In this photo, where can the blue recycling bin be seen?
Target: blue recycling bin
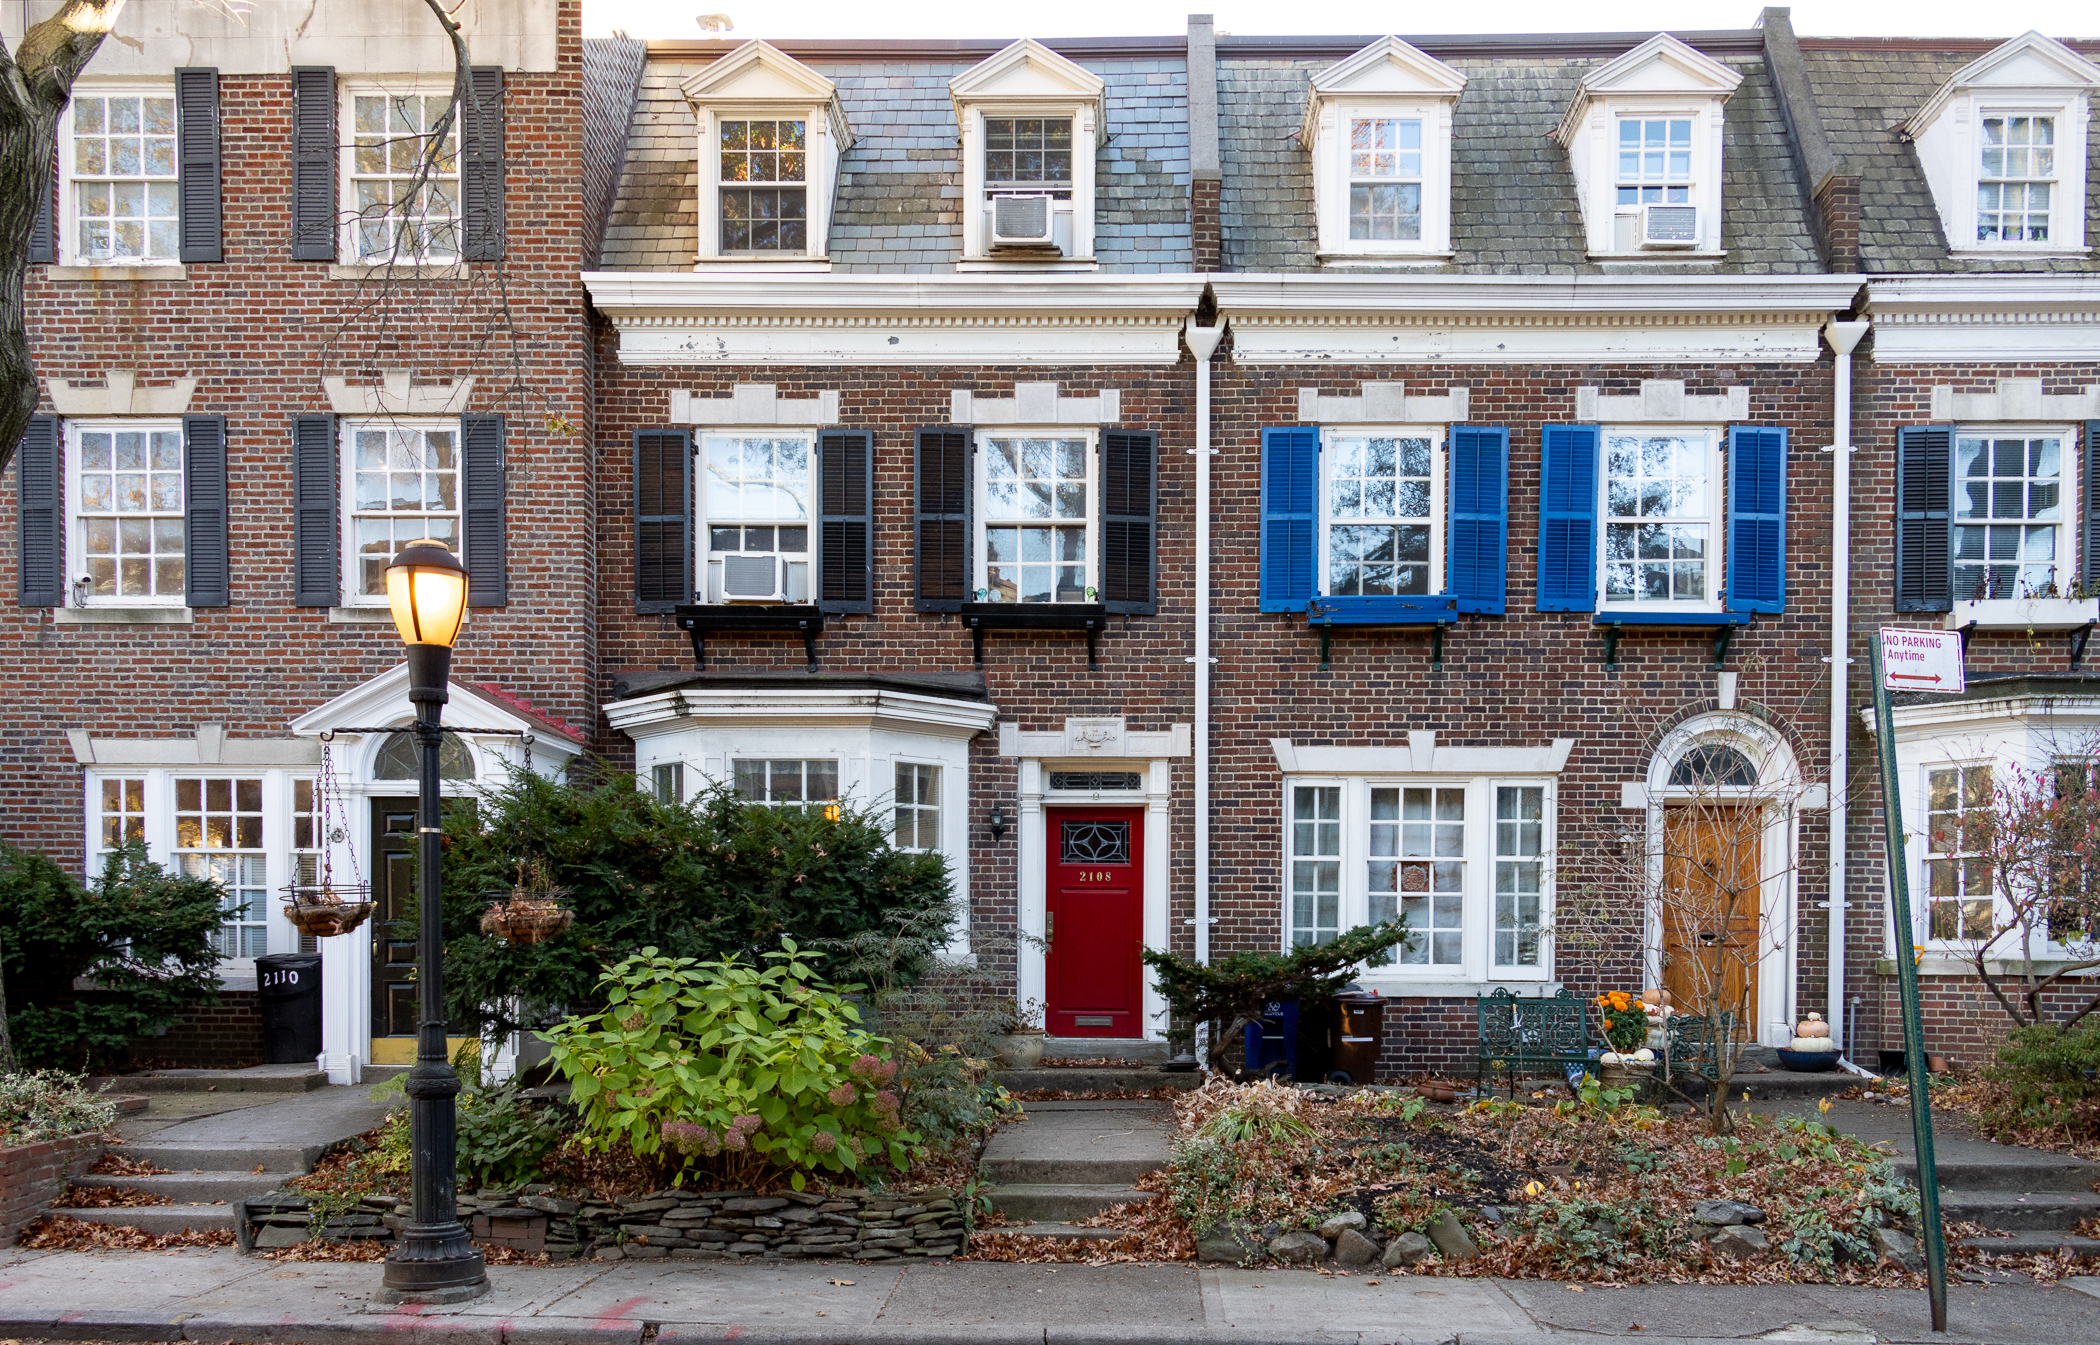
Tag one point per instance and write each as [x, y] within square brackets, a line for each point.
[1273, 1041]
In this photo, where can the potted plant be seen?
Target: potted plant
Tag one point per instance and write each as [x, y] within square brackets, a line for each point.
[533, 911]
[1021, 1045]
[1622, 1019]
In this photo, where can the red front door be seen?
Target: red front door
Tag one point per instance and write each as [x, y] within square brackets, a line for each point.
[1096, 925]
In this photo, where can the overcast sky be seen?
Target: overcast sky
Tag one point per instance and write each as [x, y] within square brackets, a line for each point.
[1111, 18]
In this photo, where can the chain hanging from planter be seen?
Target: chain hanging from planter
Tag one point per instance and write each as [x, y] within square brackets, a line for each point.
[533, 911]
[324, 907]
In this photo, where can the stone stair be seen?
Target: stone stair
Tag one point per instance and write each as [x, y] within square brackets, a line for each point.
[1069, 1160]
[255, 1079]
[2030, 1201]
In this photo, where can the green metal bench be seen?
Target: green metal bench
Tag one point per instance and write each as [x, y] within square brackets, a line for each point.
[1691, 1044]
[1518, 1032]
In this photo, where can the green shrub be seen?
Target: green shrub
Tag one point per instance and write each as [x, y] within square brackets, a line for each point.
[732, 1068]
[49, 1105]
[141, 935]
[503, 1138]
[2047, 1077]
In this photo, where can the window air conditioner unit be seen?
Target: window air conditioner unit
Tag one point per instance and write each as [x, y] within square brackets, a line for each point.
[752, 577]
[1021, 221]
[1669, 226]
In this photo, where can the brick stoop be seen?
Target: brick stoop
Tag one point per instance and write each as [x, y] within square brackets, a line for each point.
[33, 1175]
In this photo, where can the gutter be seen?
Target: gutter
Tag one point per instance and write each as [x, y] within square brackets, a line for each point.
[1203, 343]
[1843, 337]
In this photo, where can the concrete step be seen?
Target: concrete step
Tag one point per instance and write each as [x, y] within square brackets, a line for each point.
[2036, 1240]
[2020, 1170]
[1100, 1048]
[2043, 1210]
[1061, 1232]
[1052, 1202]
[186, 1188]
[159, 1218]
[255, 1079]
[197, 1156]
[1097, 1080]
[1106, 1170]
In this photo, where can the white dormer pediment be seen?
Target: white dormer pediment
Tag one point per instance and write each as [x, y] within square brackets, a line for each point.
[2028, 62]
[1661, 65]
[1026, 71]
[759, 74]
[1388, 68]
[760, 82]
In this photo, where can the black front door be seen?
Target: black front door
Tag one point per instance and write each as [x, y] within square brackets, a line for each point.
[394, 918]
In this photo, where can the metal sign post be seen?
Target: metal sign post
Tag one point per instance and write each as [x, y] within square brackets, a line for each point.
[1924, 668]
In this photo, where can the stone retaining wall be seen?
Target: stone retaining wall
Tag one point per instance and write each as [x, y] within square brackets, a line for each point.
[33, 1175]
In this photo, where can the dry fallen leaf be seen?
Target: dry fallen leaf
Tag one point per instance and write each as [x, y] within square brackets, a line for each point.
[842, 1281]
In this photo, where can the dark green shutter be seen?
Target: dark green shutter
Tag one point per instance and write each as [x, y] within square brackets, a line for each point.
[481, 177]
[1924, 508]
[317, 547]
[43, 237]
[663, 519]
[1756, 519]
[198, 202]
[1290, 517]
[206, 567]
[1129, 521]
[40, 579]
[313, 163]
[481, 441]
[1478, 547]
[941, 519]
[1568, 518]
[845, 521]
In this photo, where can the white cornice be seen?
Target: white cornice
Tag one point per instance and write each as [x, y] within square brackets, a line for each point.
[1633, 297]
[2035, 316]
[697, 707]
[618, 292]
[1420, 755]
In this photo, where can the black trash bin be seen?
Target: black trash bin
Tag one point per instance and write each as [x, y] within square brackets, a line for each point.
[288, 988]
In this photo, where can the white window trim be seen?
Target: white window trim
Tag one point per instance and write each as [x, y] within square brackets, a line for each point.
[2020, 613]
[1717, 518]
[702, 550]
[76, 523]
[943, 842]
[346, 469]
[1477, 969]
[1081, 208]
[1952, 151]
[1331, 179]
[820, 160]
[980, 520]
[346, 182]
[1594, 155]
[1439, 486]
[65, 210]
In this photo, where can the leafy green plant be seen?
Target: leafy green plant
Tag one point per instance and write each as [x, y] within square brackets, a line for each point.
[734, 1067]
[1206, 1182]
[503, 1138]
[2046, 1078]
[49, 1104]
[1254, 1120]
[140, 935]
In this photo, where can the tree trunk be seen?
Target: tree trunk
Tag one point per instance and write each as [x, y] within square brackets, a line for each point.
[7, 1045]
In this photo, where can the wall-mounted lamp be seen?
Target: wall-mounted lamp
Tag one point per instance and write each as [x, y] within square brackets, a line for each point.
[998, 821]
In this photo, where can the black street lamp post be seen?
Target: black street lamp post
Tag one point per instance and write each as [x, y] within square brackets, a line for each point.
[433, 1261]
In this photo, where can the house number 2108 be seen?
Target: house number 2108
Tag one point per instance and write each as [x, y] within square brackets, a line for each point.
[1095, 876]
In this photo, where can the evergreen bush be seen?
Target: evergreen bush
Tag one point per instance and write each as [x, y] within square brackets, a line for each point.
[2047, 1075]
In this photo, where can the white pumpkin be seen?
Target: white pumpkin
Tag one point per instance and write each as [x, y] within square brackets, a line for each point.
[1644, 1056]
[1610, 1058]
[1812, 1044]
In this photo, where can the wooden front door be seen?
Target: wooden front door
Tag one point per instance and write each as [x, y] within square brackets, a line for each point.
[394, 919]
[1095, 922]
[1712, 910]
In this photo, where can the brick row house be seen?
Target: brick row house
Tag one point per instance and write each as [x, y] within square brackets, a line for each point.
[1217, 491]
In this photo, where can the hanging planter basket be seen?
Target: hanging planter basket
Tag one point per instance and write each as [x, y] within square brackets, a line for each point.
[326, 911]
[524, 916]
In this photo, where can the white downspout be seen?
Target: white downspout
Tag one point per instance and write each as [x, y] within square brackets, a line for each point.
[1843, 336]
[1203, 343]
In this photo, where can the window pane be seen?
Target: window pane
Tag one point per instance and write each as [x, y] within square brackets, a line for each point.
[1653, 478]
[2004, 487]
[2016, 170]
[1959, 901]
[390, 143]
[404, 488]
[1035, 478]
[218, 837]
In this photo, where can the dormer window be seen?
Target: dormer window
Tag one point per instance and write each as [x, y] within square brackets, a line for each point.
[1030, 122]
[771, 134]
[1378, 127]
[1645, 139]
[1988, 140]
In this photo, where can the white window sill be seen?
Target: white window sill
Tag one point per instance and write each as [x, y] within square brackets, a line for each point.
[2025, 614]
[1396, 987]
[1948, 962]
[2041, 253]
[125, 616]
[398, 271]
[1657, 255]
[1016, 264]
[111, 272]
[1353, 259]
[762, 265]
[361, 616]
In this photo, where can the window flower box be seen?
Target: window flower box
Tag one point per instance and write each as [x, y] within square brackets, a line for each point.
[2030, 614]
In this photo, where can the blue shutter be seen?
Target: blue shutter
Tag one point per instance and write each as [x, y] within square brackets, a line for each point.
[1568, 519]
[1290, 517]
[1478, 546]
[1756, 519]
[2089, 541]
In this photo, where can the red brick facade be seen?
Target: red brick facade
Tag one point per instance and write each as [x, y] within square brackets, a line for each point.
[33, 1175]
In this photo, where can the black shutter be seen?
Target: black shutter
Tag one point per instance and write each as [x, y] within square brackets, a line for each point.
[846, 521]
[1129, 531]
[2089, 544]
[313, 163]
[1924, 498]
[663, 519]
[43, 238]
[206, 568]
[40, 569]
[316, 575]
[197, 166]
[481, 437]
[941, 519]
[481, 166]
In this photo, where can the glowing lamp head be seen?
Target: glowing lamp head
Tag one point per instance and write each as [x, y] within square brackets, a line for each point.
[426, 587]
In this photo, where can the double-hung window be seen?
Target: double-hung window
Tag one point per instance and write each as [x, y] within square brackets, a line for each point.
[1655, 161]
[219, 836]
[755, 496]
[404, 487]
[1036, 518]
[123, 819]
[127, 510]
[765, 205]
[120, 155]
[2016, 178]
[1383, 532]
[1464, 861]
[1385, 179]
[1661, 533]
[1960, 904]
[401, 178]
[917, 804]
[2008, 515]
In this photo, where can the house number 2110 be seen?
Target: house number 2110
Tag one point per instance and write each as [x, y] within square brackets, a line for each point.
[1096, 876]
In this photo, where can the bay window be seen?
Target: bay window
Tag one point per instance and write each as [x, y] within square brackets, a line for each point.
[787, 783]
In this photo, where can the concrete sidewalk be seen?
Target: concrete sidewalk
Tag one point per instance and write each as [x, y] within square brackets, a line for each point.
[216, 1295]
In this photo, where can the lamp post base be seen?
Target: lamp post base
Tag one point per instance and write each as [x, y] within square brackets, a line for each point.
[434, 1264]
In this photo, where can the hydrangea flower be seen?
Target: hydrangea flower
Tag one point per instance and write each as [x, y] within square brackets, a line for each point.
[842, 1096]
[823, 1141]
